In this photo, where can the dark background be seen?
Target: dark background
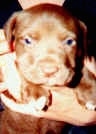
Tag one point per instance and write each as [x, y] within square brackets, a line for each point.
[85, 10]
[7, 7]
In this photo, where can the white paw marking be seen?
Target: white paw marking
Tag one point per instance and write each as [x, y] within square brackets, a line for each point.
[90, 106]
[40, 103]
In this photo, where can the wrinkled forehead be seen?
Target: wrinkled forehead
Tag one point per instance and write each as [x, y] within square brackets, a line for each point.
[46, 21]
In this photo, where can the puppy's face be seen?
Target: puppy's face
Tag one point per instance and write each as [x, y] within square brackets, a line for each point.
[49, 44]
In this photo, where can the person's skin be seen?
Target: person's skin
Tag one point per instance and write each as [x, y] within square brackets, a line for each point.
[65, 107]
[27, 4]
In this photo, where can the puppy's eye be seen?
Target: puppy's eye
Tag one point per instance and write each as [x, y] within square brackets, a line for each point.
[69, 41]
[28, 41]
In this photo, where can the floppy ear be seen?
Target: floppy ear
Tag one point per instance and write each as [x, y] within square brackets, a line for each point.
[81, 54]
[9, 29]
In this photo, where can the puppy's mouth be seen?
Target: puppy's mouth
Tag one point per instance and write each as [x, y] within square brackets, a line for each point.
[51, 71]
[50, 75]
[48, 69]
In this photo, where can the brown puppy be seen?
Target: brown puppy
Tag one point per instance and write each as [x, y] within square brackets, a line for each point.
[50, 50]
[49, 46]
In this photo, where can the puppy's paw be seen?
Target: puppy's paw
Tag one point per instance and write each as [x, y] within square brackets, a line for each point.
[41, 103]
[44, 101]
[90, 105]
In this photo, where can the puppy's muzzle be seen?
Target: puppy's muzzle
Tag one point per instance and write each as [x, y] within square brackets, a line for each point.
[48, 67]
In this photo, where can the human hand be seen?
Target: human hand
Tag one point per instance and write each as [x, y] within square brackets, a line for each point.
[65, 107]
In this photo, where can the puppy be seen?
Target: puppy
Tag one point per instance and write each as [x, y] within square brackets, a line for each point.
[50, 47]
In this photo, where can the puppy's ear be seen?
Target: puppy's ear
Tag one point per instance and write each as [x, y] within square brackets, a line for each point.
[9, 29]
[81, 54]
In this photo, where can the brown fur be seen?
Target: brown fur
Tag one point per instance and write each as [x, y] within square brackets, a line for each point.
[50, 46]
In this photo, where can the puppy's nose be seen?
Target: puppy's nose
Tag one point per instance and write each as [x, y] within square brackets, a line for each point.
[48, 67]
